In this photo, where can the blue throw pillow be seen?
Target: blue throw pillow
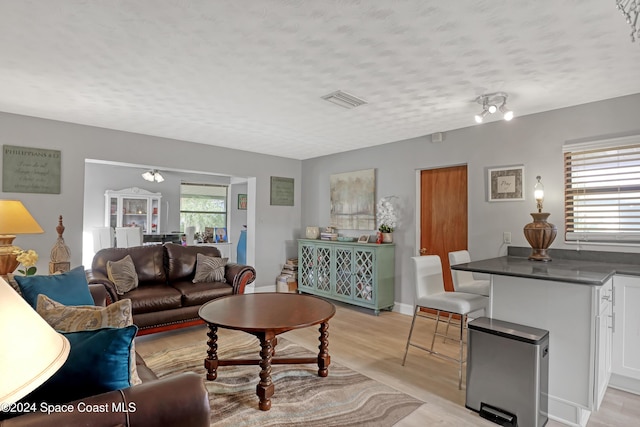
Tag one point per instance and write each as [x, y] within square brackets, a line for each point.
[98, 362]
[70, 288]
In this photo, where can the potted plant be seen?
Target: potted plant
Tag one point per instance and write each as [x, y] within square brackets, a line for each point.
[387, 218]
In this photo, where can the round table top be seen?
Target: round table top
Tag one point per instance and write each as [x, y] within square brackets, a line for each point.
[260, 312]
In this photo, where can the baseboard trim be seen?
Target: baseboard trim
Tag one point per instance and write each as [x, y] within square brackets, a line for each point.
[630, 385]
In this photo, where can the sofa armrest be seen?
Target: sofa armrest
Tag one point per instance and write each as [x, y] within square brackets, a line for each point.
[100, 295]
[239, 276]
[97, 278]
[176, 401]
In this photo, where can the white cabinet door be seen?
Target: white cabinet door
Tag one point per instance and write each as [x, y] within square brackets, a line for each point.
[626, 323]
[603, 350]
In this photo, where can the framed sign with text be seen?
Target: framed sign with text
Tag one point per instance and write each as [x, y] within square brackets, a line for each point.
[281, 191]
[505, 184]
[30, 170]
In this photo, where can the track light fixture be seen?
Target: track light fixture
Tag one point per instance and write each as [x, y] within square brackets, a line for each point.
[491, 103]
[153, 175]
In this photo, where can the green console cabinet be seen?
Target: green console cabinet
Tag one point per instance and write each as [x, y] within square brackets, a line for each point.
[355, 273]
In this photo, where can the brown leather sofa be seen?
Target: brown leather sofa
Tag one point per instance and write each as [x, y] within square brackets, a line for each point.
[166, 298]
[176, 401]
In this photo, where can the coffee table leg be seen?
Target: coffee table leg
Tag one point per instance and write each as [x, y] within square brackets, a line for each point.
[265, 387]
[324, 360]
[211, 362]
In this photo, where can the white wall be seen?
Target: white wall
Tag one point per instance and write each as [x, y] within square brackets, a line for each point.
[534, 141]
[273, 226]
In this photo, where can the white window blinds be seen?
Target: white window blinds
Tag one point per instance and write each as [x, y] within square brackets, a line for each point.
[602, 190]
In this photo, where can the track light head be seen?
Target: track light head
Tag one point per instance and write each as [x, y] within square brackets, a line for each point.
[507, 113]
[480, 117]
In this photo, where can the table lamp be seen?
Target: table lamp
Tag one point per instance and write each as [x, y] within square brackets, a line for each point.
[14, 219]
[31, 351]
[540, 233]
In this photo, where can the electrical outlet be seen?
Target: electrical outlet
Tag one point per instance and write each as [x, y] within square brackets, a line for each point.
[506, 237]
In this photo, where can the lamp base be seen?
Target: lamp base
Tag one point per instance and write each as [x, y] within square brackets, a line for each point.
[8, 261]
[540, 234]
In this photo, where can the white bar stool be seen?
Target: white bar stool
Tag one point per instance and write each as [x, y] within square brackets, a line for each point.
[430, 294]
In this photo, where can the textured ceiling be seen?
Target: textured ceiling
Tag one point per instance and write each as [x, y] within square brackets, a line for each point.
[249, 74]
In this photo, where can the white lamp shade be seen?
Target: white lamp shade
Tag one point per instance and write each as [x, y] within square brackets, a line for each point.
[31, 350]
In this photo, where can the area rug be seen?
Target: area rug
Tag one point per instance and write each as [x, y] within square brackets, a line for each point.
[301, 398]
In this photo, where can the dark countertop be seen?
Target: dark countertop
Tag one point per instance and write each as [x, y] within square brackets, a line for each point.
[561, 270]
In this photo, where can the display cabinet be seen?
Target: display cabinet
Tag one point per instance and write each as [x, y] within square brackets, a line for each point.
[356, 273]
[133, 207]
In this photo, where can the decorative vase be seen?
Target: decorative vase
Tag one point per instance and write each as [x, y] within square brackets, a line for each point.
[387, 237]
[540, 234]
[313, 232]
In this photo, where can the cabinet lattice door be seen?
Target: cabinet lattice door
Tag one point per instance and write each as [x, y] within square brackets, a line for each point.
[356, 273]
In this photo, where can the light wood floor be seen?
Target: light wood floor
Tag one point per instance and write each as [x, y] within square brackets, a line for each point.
[374, 346]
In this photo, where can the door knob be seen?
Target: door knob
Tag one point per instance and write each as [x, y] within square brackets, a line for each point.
[423, 251]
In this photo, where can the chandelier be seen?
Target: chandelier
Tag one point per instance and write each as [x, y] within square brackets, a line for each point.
[630, 10]
[153, 175]
[493, 102]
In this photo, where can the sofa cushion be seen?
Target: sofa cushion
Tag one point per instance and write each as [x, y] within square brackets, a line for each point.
[145, 299]
[123, 274]
[209, 269]
[88, 318]
[69, 288]
[98, 362]
[201, 292]
[181, 260]
[149, 262]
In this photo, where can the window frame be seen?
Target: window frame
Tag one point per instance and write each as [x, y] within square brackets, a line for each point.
[224, 212]
[604, 197]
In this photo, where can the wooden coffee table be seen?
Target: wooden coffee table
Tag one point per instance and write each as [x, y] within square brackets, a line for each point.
[266, 315]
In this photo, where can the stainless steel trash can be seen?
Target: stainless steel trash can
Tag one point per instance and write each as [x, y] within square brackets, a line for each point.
[508, 372]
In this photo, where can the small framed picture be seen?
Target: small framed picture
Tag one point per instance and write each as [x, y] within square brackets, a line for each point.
[242, 202]
[363, 239]
[505, 184]
[220, 235]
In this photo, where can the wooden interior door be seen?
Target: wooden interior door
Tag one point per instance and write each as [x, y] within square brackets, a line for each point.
[443, 214]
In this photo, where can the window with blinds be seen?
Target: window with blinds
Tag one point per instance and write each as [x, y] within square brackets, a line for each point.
[602, 190]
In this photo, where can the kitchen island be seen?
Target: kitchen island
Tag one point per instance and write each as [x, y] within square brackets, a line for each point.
[572, 299]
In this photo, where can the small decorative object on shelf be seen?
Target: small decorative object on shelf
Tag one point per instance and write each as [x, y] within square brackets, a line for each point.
[387, 218]
[540, 233]
[329, 234]
[60, 253]
[313, 232]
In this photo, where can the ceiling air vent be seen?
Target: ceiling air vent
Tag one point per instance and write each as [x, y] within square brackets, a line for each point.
[343, 99]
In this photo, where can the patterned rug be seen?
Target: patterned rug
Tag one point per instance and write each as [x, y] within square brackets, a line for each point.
[301, 398]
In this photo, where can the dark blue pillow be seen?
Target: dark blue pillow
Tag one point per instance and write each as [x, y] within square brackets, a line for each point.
[98, 362]
[70, 288]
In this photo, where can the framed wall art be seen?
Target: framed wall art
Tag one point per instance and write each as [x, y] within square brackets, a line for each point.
[242, 202]
[353, 200]
[505, 184]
